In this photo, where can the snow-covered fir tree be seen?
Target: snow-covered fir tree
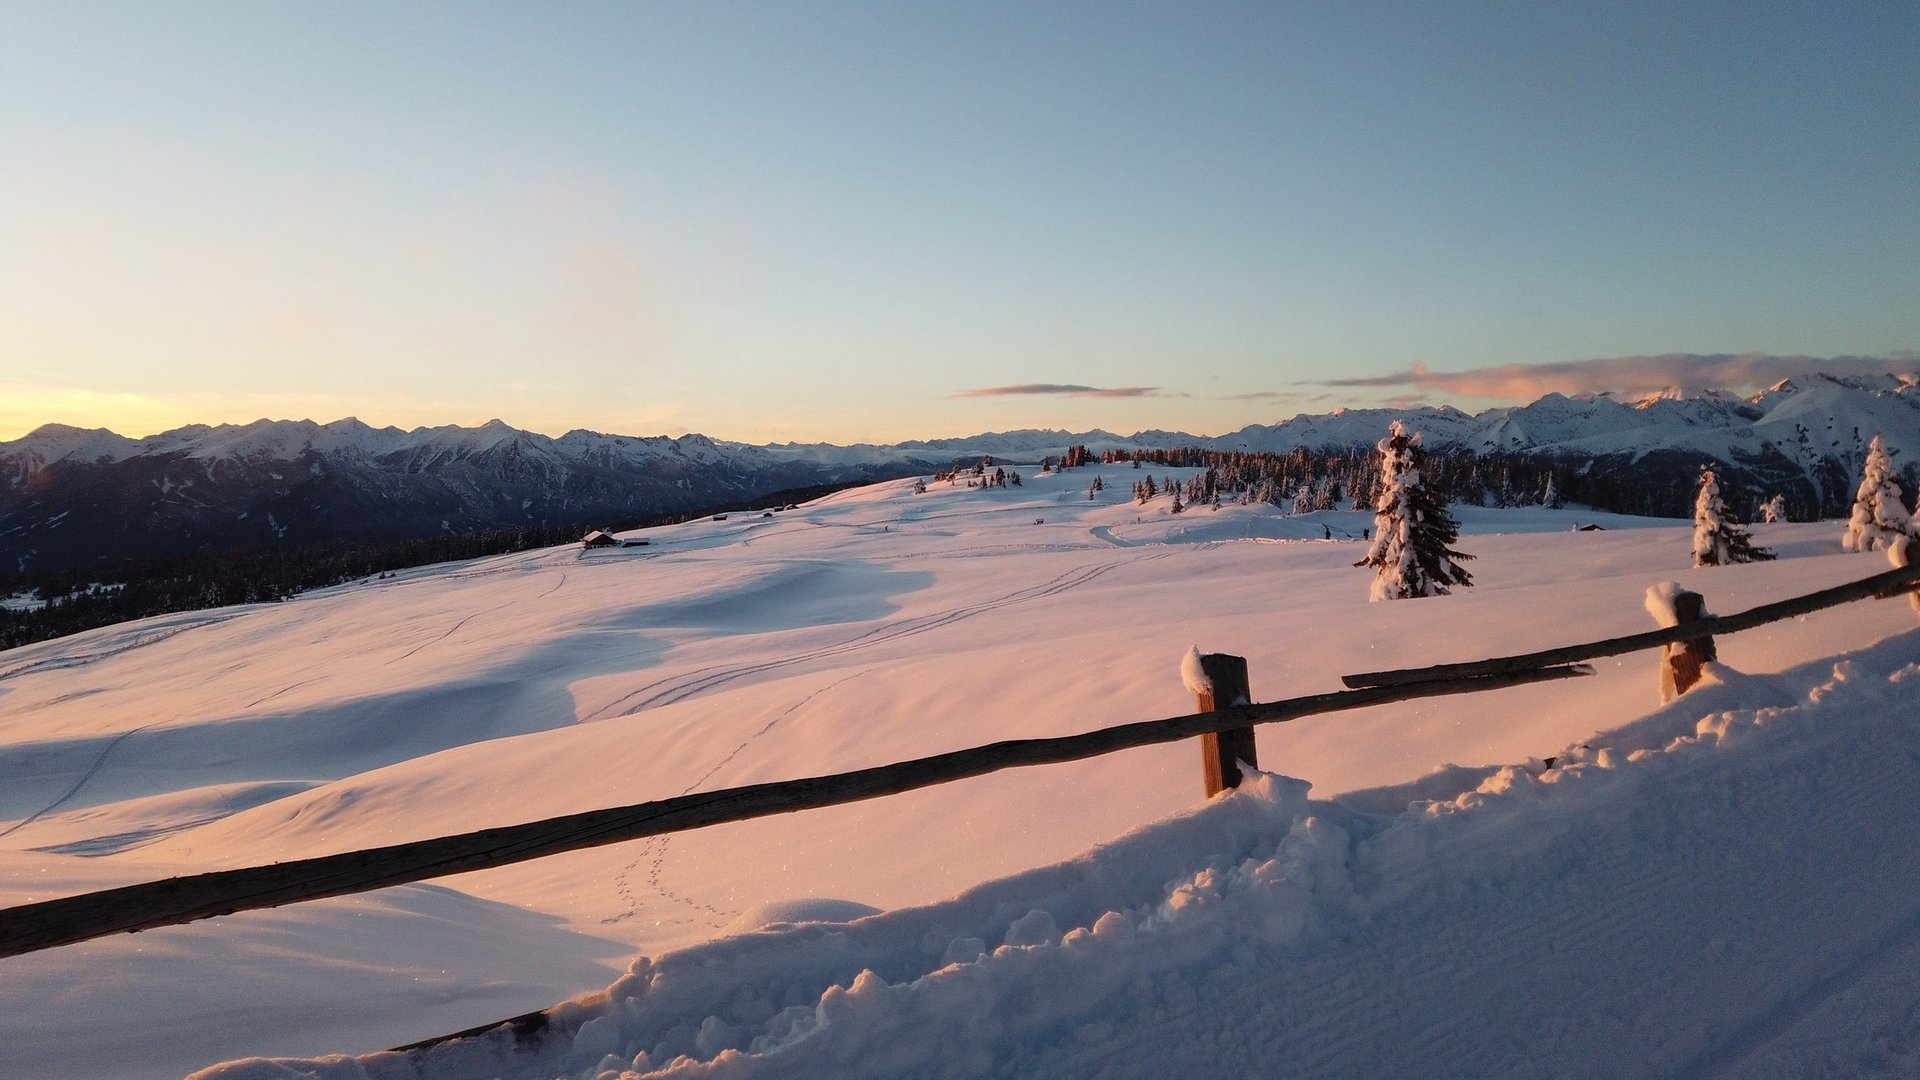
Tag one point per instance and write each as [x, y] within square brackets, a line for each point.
[1878, 514]
[1412, 531]
[1774, 510]
[1717, 538]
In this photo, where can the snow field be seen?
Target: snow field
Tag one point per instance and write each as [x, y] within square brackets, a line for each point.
[869, 627]
[1635, 911]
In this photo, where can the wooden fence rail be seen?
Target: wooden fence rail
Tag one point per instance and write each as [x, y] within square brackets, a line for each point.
[1891, 583]
[131, 908]
[67, 920]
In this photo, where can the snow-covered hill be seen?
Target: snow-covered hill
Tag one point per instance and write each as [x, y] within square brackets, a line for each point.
[1719, 886]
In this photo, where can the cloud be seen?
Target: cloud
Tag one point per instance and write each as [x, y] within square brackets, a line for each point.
[1066, 390]
[1406, 401]
[1631, 374]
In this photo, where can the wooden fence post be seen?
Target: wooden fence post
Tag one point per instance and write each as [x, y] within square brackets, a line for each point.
[1221, 753]
[1684, 660]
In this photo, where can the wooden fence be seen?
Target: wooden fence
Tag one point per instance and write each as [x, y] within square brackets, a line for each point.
[1226, 731]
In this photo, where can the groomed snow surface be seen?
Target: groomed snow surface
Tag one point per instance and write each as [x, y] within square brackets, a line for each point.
[1720, 886]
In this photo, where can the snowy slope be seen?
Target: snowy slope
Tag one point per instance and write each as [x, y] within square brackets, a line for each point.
[873, 626]
[1727, 895]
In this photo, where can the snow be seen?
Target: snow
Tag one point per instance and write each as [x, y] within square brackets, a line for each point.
[22, 601]
[1720, 885]
[1879, 514]
[1192, 675]
[1662, 598]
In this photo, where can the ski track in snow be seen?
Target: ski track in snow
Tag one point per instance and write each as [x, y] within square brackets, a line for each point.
[83, 659]
[284, 689]
[690, 684]
[450, 631]
[86, 778]
[160, 637]
[653, 850]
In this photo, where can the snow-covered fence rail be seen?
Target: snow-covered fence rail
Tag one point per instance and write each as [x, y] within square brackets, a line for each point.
[64, 921]
[1890, 583]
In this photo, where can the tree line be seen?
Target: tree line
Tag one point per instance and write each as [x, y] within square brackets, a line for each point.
[82, 599]
[1303, 480]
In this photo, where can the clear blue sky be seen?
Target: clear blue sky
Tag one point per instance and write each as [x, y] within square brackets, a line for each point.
[878, 221]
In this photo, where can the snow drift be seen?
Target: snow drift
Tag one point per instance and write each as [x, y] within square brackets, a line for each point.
[1707, 890]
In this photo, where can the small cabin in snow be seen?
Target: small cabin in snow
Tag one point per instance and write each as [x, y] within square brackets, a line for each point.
[598, 538]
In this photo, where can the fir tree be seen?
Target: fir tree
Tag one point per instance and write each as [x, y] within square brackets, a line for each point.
[1878, 514]
[1774, 510]
[1717, 538]
[1411, 550]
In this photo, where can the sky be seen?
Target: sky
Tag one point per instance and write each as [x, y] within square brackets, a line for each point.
[849, 222]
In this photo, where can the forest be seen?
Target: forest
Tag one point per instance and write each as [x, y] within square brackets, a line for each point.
[76, 600]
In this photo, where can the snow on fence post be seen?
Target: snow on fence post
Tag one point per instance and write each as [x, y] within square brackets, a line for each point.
[1682, 662]
[1222, 684]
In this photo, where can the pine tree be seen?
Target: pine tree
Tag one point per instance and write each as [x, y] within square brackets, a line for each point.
[1774, 510]
[1717, 539]
[1411, 550]
[1878, 514]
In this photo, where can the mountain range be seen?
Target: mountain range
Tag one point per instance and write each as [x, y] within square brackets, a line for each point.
[73, 497]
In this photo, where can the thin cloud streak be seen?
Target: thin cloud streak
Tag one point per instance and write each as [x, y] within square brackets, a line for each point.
[1065, 390]
[1632, 374]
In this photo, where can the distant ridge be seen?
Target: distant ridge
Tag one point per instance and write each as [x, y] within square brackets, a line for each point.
[72, 497]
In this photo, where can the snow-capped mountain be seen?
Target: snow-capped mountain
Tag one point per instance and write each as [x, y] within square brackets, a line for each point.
[71, 497]
[74, 497]
[1803, 438]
